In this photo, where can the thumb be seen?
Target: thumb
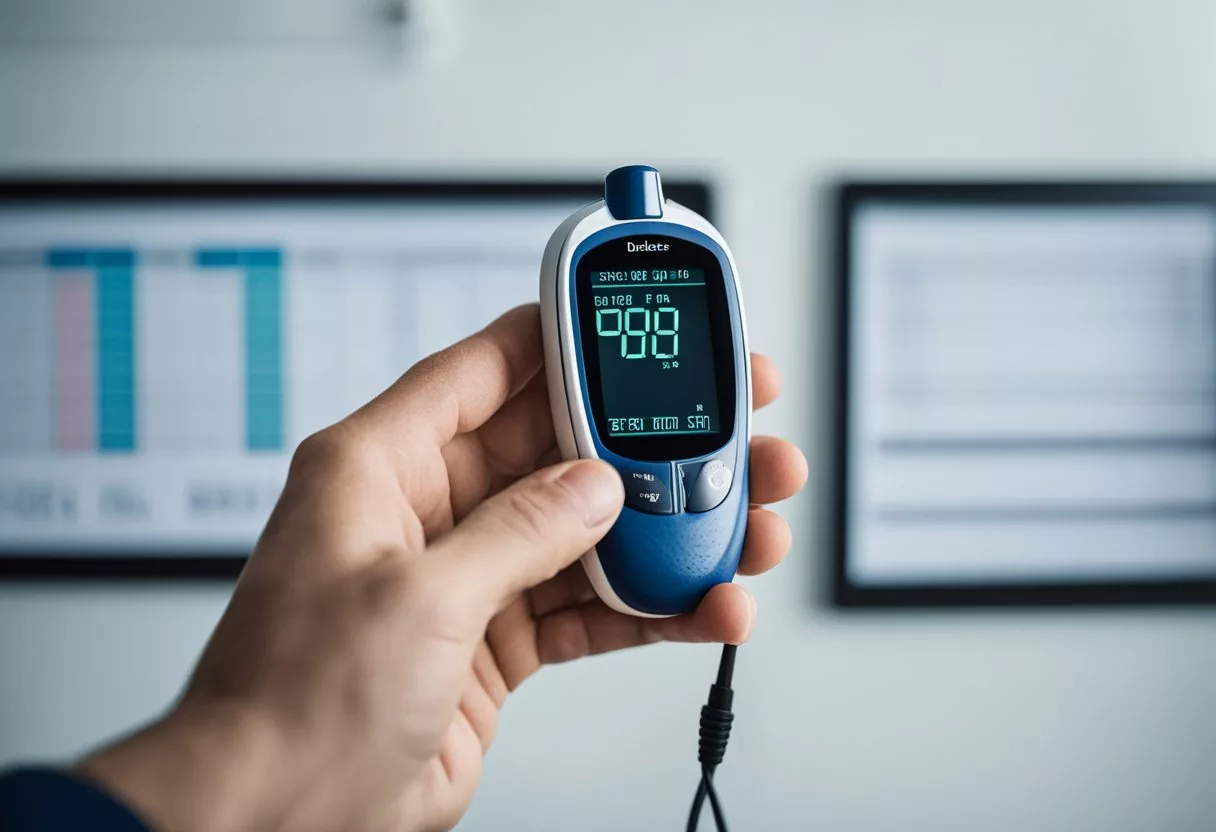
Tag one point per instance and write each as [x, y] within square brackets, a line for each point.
[528, 532]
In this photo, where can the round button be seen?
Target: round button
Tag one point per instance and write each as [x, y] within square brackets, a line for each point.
[707, 488]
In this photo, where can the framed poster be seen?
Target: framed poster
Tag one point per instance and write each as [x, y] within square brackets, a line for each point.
[1027, 406]
[164, 346]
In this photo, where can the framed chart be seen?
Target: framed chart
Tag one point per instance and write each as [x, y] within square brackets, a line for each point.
[1027, 406]
[164, 346]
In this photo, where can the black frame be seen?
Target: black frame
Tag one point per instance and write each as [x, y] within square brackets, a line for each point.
[846, 594]
[17, 565]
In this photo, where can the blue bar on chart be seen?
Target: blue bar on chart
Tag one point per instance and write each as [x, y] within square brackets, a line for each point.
[113, 323]
[263, 302]
[263, 351]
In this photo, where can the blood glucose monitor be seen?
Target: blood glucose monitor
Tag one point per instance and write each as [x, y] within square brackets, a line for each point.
[648, 369]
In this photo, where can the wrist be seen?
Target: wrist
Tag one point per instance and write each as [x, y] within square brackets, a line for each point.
[199, 768]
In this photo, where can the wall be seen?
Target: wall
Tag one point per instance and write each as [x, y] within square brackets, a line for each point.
[1057, 720]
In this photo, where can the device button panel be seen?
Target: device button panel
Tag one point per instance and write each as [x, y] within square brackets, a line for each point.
[706, 484]
[648, 488]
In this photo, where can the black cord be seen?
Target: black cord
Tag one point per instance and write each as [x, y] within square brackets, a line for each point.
[707, 777]
[716, 718]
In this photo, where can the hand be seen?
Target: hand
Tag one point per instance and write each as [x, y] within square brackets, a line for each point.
[418, 567]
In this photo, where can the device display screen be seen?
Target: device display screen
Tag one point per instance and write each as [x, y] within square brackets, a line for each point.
[651, 312]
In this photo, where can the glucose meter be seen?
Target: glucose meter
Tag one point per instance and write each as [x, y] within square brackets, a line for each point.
[648, 369]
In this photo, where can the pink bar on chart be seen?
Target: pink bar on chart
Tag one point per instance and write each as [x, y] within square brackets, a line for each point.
[74, 312]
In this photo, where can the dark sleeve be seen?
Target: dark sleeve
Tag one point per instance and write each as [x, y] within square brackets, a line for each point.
[45, 800]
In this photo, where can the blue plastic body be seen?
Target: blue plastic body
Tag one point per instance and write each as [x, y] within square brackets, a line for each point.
[664, 564]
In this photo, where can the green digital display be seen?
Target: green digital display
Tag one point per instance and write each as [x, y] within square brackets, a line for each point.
[656, 358]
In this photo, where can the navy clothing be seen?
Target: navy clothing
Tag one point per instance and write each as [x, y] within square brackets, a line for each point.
[45, 800]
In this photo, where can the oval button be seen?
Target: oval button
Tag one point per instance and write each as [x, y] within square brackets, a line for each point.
[708, 487]
[648, 489]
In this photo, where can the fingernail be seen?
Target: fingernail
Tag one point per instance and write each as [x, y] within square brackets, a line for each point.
[598, 488]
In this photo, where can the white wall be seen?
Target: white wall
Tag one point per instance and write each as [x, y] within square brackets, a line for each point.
[1053, 720]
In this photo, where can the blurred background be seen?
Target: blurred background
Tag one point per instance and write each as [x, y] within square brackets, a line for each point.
[1093, 718]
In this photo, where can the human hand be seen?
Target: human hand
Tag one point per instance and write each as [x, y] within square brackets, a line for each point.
[419, 566]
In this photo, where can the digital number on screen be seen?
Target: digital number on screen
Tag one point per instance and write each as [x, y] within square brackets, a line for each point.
[656, 359]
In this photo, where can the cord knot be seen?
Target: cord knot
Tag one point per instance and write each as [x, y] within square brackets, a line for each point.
[715, 733]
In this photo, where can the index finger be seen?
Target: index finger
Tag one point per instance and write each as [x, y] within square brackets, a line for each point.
[458, 389]
[766, 381]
